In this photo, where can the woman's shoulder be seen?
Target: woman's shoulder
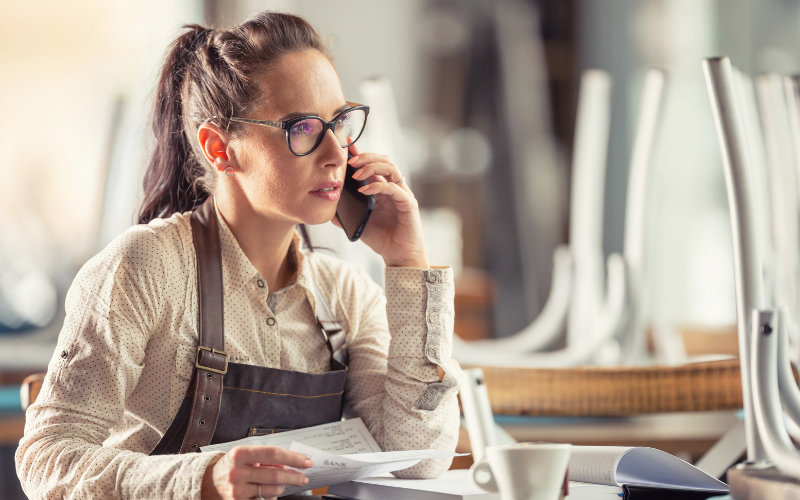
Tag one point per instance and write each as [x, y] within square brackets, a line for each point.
[158, 247]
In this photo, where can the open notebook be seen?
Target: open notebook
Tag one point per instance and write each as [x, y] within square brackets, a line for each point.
[639, 467]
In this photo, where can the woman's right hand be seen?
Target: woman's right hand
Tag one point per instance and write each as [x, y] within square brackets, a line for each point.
[240, 472]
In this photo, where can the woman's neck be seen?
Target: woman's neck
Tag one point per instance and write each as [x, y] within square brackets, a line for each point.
[263, 240]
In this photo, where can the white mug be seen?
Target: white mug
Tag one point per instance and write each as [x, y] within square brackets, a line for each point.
[525, 471]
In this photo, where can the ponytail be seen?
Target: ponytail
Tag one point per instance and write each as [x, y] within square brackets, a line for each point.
[170, 184]
[207, 73]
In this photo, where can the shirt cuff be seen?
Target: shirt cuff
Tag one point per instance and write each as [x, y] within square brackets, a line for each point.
[201, 463]
[420, 309]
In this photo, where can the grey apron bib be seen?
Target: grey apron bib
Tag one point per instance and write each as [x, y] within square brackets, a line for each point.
[229, 401]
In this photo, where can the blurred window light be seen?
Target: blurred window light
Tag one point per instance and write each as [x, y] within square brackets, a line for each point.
[417, 150]
[777, 59]
[28, 297]
[708, 273]
[444, 31]
[466, 151]
[443, 240]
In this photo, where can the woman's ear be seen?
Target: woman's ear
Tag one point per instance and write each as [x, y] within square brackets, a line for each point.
[214, 144]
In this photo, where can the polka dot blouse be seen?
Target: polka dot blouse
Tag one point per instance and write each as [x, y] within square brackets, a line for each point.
[126, 352]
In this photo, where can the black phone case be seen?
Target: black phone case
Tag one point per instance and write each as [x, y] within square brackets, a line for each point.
[351, 186]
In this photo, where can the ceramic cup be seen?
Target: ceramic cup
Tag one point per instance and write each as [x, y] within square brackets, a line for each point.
[525, 471]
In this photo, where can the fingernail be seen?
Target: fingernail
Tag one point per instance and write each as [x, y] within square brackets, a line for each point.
[352, 160]
[362, 189]
[307, 464]
[357, 174]
[305, 480]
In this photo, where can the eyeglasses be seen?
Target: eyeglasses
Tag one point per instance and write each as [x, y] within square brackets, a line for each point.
[304, 134]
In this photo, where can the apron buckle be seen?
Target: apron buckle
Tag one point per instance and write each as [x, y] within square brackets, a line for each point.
[208, 368]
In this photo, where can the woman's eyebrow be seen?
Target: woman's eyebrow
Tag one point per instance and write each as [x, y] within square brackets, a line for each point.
[298, 114]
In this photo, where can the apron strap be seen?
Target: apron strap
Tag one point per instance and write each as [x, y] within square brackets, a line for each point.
[211, 361]
[335, 336]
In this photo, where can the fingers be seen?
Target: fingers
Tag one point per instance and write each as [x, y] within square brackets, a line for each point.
[266, 491]
[272, 475]
[352, 149]
[386, 170]
[375, 164]
[403, 199]
[377, 168]
[362, 159]
[269, 455]
[245, 469]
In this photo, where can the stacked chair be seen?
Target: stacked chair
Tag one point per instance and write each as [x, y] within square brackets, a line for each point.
[593, 313]
[765, 315]
[524, 380]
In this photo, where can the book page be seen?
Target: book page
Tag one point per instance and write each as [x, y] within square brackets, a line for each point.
[340, 438]
[596, 464]
[615, 466]
[331, 469]
[651, 467]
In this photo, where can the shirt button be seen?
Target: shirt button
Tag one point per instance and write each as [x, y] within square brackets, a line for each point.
[260, 283]
[432, 352]
[271, 321]
[432, 318]
[432, 278]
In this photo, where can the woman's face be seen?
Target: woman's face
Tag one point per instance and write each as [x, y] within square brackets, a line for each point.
[276, 183]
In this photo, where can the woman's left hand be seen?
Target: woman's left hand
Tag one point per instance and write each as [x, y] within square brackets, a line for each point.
[394, 230]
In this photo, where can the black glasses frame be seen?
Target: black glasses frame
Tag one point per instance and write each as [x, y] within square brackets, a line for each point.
[286, 126]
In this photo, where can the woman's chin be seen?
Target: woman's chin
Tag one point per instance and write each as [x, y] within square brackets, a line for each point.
[318, 218]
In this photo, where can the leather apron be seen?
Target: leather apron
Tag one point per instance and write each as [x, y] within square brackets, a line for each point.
[229, 401]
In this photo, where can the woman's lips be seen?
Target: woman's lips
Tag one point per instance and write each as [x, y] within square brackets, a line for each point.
[328, 191]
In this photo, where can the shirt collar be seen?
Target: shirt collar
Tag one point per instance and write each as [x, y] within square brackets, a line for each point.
[238, 271]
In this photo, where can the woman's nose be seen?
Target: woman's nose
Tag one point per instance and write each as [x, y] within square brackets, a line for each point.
[332, 152]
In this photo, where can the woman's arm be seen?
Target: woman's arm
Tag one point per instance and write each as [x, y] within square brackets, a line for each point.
[398, 343]
[399, 351]
[118, 299]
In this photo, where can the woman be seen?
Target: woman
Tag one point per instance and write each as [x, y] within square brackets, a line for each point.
[139, 381]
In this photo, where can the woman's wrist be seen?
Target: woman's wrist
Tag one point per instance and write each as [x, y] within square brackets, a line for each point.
[207, 489]
[418, 261]
[411, 264]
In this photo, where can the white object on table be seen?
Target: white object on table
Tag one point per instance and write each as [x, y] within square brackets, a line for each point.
[329, 469]
[533, 471]
[477, 413]
[618, 465]
[452, 485]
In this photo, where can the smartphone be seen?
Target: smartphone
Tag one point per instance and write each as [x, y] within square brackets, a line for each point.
[354, 208]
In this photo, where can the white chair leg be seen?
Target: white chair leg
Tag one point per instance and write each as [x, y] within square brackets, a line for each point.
[766, 392]
[604, 330]
[477, 413]
[542, 332]
[638, 216]
[587, 194]
[724, 453]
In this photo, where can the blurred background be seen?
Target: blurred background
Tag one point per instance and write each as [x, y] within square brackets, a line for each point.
[474, 99]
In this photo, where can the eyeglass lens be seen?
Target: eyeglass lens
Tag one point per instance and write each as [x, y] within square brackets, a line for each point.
[305, 134]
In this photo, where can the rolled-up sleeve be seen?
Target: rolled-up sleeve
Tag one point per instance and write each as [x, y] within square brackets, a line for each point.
[397, 391]
[114, 303]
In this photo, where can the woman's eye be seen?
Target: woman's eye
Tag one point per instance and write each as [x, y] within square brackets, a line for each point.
[343, 121]
[302, 128]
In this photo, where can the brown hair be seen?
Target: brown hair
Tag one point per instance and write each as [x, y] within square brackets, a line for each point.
[209, 72]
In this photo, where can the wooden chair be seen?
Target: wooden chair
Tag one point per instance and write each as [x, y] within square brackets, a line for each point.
[30, 388]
